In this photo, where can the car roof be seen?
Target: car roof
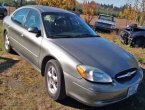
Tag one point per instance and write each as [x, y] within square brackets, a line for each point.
[42, 8]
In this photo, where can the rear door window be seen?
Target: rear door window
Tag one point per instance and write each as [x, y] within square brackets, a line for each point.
[20, 15]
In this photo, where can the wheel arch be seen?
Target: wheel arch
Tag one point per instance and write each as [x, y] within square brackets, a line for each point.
[45, 60]
[4, 31]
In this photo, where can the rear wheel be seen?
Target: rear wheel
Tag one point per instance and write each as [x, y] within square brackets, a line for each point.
[7, 45]
[54, 80]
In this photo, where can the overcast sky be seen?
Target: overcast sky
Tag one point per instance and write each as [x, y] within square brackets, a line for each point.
[114, 2]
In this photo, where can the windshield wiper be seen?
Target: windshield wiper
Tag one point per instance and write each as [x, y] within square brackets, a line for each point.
[61, 36]
[69, 36]
[87, 35]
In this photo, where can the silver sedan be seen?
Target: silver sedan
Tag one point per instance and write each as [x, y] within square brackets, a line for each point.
[75, 61]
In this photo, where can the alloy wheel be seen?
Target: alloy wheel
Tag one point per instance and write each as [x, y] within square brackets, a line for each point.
[52, 80]
[7, 42]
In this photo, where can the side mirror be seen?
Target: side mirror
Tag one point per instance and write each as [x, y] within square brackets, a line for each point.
[34, 30]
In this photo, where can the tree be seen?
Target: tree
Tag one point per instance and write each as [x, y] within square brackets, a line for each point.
[141, 14]
[88, 10]
[135, 12]
[18, 3]
[65, 4]
[129, 14]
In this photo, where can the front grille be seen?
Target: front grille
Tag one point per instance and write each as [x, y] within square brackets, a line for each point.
[126, 75]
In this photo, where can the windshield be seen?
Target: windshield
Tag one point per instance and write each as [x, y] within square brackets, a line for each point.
[59, 25]
[107, 18]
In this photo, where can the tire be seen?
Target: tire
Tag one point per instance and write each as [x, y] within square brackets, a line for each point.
[7, 45]
[126, 41]
[4, 14]
[54, 80]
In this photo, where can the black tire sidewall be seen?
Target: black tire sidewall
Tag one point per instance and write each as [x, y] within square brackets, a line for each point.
[59, 95]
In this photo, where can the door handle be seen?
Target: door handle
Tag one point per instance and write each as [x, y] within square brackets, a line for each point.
[22, 35]
[9, 26]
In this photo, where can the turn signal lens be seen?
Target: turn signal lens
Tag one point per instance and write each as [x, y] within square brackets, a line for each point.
[81, 71]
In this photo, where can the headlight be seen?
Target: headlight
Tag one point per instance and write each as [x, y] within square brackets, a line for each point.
[113, 26]
[94, 74]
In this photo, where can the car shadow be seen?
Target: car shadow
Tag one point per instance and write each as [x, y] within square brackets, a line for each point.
[126, 104]
[6, 63]
[116, 31]
[14, 53]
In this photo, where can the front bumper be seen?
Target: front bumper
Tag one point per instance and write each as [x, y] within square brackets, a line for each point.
[93, 94]
[103, 27]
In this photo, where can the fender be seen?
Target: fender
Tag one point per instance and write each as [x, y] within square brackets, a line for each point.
[138, 34]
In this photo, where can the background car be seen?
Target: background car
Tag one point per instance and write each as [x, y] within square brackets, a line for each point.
[74, 60]
[3, 10]
[133, 36]
[105, 22]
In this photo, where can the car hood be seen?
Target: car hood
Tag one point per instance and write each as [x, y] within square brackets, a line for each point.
[106, 22]
[98, 52]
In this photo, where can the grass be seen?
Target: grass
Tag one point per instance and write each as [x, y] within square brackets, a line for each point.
[1, 38]
[23, 88]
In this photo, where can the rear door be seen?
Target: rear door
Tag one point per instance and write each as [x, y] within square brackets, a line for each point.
[15, 29]
[30, 41]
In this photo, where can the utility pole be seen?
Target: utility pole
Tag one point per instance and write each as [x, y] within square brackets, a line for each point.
[21, 3]
[9, 7]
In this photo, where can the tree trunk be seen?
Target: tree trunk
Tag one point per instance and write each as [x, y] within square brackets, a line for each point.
[21, 3]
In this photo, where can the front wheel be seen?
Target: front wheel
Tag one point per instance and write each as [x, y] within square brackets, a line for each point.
[54, 80]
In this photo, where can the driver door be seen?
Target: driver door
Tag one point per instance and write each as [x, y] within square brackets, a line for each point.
[32, 42]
